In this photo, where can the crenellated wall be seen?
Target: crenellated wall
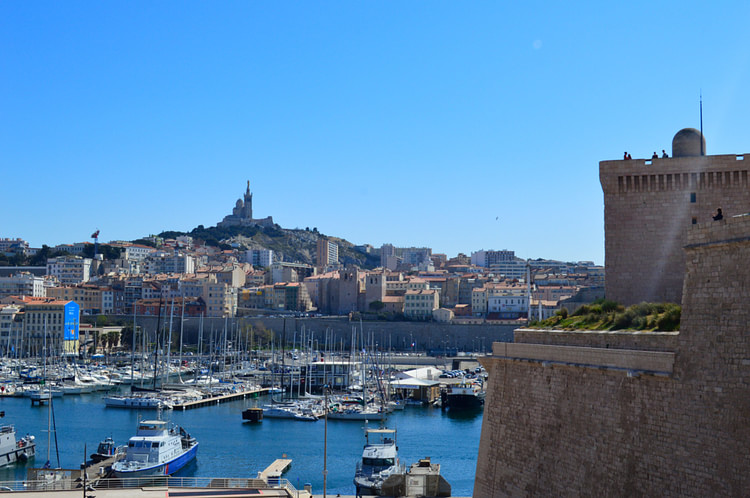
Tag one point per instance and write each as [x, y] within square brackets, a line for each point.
[669, 415]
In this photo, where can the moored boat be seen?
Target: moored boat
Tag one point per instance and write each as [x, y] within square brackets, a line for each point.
[156, 450]
[15, 450]
[379, 461]
[137, 401]
[289, 411]
[106, 449]
[338, 411]
[463, 396]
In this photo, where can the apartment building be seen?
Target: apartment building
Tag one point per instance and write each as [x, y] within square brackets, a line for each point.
[259, 258]
[58, 320]
[69, 270]
[22, 284]
[421, 303]
[327, 253]
[169, 262]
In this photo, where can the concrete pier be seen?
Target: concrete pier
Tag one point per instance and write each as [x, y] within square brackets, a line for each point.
[276, 469]
[215, 400]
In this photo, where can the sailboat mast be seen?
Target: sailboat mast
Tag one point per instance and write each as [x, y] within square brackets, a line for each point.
[182, 326]
[49, 392]
[132, 351]
[156, 346]
[169, 345]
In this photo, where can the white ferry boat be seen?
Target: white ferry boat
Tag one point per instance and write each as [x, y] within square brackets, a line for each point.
[156, 450]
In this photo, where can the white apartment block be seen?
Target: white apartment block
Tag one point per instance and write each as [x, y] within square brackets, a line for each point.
[23, 284]
[259, 258]
[508, 305]
[169, 262]
[10, 329]
[489, 258]
[137, 252]
[69, 270]
[510, 269]
[108, 301]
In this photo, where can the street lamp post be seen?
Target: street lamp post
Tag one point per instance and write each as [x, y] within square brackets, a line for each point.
[325, 439]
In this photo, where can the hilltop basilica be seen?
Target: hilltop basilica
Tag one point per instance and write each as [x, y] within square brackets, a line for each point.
[242, 214]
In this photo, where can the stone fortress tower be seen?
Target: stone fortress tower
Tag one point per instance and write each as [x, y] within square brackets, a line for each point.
[650, 203]
[242, 214]
[628, 413]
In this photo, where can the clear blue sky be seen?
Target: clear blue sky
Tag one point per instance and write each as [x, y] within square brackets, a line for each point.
[455, 125]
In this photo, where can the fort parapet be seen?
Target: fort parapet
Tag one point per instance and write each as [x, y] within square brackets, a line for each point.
[631, 413]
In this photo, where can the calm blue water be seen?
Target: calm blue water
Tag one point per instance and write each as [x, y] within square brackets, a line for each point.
[229, 448]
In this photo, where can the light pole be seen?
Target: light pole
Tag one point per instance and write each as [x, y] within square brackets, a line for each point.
[325, 438]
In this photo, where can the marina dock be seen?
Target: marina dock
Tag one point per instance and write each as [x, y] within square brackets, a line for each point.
[276, 469]
[215, 400]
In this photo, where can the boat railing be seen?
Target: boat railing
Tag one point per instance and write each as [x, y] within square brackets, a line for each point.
[58, 482]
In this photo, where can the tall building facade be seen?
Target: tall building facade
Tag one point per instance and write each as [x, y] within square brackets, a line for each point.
[649, 204]
[327, 253]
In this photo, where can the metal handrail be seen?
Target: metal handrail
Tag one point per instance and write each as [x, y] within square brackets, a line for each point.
[146, 482]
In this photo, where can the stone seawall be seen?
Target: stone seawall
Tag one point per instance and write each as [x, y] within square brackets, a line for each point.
[567, 416]
[399, 335]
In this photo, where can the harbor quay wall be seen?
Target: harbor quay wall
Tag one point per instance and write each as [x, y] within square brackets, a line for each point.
[398, 335]
[566, 415]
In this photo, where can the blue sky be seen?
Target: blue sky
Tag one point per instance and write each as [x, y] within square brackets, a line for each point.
[454, 125]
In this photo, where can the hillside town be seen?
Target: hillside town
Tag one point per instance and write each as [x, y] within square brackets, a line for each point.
[234, 280]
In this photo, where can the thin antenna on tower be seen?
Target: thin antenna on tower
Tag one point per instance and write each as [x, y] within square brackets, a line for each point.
[703, 152]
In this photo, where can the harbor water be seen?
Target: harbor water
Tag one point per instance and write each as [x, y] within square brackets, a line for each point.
[231, 448]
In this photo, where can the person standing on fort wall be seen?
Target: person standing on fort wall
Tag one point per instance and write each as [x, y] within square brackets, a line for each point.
[718, 216]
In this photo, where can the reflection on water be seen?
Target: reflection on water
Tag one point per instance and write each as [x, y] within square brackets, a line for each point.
[465, 415]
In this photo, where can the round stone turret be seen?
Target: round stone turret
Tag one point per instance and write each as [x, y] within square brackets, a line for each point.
[687, 143]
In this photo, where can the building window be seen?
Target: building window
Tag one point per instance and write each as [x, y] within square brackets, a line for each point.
[692, 197]
[695, 220]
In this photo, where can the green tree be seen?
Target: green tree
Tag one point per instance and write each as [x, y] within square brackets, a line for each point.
[377, 305]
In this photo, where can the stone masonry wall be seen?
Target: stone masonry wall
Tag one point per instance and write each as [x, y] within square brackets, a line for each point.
[566, 430]
[398, 335]
[616, 339]
[648, 207]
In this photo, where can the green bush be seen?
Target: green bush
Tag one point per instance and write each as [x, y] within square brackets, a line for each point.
[670, 320]
[609, 306]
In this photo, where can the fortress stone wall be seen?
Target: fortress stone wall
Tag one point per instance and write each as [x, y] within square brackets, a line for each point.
[621, 414]
[396, 335]
[648, 207]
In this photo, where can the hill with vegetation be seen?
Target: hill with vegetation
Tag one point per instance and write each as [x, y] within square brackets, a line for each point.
[289, 245]
[608, 315]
